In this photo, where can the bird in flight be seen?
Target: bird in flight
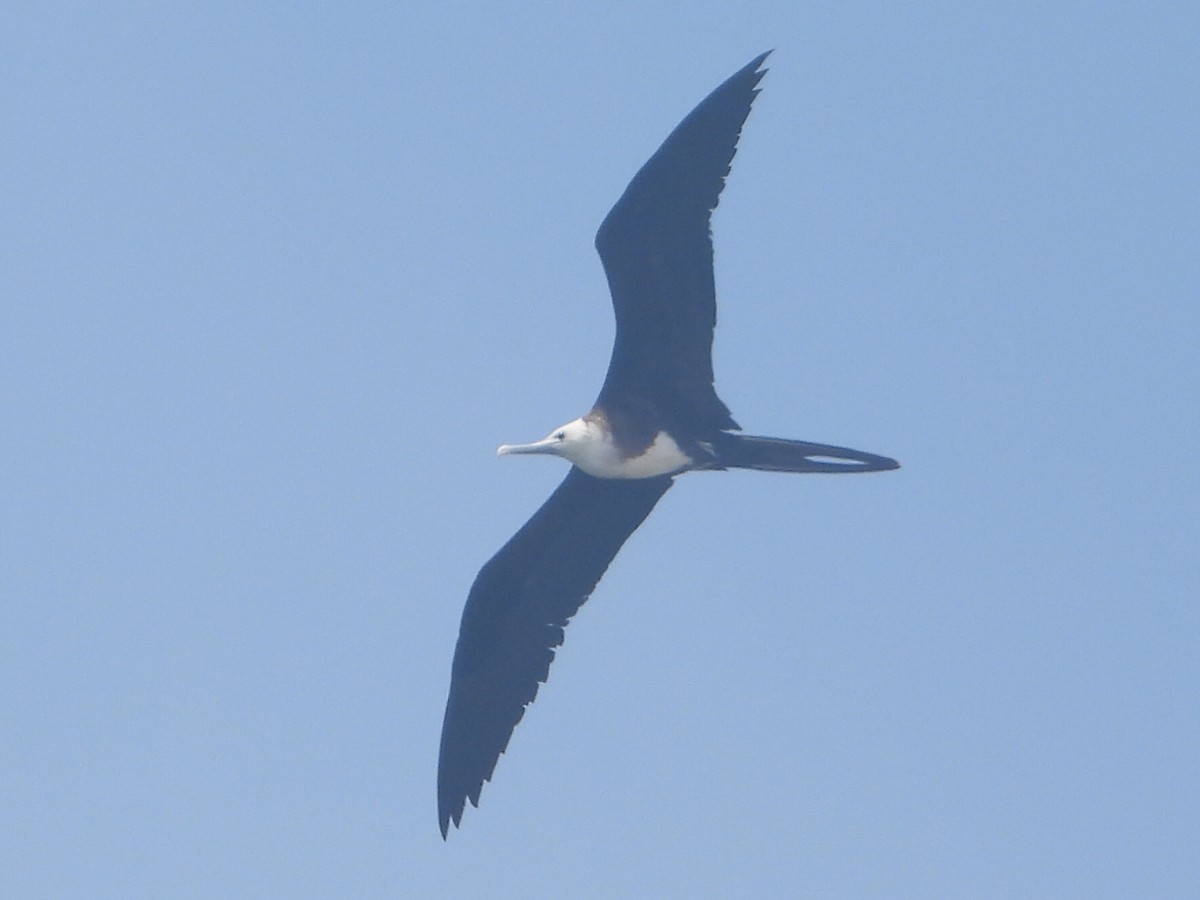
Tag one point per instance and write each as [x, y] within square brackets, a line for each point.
[657, 416]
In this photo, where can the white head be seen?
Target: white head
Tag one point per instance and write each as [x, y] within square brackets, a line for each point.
[588, 444]
[577, 441]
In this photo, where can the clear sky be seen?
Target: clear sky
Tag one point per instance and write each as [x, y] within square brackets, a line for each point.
[277, 280]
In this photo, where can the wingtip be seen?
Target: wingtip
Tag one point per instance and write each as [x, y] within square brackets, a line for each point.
[756, 65]
[756, 68]
[446, 808]
[445, 817]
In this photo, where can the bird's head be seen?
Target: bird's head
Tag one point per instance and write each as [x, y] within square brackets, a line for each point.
[574, 441]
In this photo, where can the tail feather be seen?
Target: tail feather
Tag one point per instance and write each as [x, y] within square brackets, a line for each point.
[768, 454]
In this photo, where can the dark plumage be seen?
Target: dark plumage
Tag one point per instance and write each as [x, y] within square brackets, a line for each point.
[505, 647]
[657, 416]
[656, 246]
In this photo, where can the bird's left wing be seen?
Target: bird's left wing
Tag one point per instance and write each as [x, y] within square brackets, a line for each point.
[656, 246]
[518, 607]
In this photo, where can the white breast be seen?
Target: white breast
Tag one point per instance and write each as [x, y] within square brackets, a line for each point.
[602, 459]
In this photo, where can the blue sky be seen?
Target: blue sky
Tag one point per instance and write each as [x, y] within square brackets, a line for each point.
[279, 279]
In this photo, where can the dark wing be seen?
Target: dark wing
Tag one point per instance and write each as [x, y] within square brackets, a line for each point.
[656, 246]
[518, 607]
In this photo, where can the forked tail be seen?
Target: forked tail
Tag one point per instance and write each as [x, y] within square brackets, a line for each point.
[768, 454]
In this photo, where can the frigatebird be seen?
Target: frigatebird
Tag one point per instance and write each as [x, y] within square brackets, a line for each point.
[657, 416]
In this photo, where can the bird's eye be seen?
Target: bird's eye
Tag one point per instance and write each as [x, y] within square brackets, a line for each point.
[560, 436]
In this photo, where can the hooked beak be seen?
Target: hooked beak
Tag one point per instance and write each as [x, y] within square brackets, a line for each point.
[545, 445]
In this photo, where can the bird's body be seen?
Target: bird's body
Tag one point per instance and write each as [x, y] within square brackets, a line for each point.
[591, 443]
[657, 416]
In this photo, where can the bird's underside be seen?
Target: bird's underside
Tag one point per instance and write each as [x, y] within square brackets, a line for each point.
[657, 415]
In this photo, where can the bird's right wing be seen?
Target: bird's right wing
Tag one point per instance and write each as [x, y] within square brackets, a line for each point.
[518, 607]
